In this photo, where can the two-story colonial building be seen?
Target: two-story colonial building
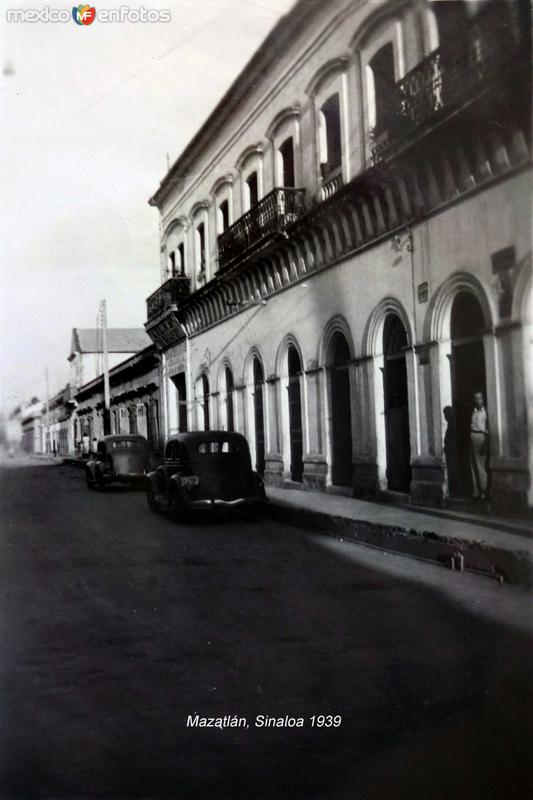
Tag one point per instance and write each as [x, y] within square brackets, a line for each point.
[346, 252]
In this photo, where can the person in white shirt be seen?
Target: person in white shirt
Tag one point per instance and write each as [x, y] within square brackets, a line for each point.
[479, 446]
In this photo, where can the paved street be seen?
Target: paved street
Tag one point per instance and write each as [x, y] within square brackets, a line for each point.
[118, 624]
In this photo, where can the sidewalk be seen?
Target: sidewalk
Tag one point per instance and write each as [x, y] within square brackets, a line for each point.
[502, 548]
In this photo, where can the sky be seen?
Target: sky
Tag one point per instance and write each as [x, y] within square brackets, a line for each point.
[88, 117]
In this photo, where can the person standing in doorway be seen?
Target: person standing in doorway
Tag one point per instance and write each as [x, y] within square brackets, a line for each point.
[479, 446]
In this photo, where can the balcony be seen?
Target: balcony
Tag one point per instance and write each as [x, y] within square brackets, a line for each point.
[452, 76]
[331, 181]
[171, 293]
[270, 216]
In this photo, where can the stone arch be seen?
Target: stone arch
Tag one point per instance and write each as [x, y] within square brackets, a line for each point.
[177, 222]
[376, 19]
[373, 335]
[247, 373]
[224, 180]
[338, 64]
[288, 340]
[437, 324]
[248, 152]
[291, 112]
[337, 324]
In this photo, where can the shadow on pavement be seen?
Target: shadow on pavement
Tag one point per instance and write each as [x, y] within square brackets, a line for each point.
[118, 624]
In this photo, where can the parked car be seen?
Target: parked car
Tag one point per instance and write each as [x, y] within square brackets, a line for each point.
[118, 459]
[205, 470]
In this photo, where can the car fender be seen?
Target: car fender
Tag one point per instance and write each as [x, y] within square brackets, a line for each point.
[152, 479]
[259, 486]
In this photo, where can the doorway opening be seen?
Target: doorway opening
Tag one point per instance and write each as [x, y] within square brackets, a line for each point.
[295, 414]
[181, 388]
[259, 417]
[396, 397]
[341, 413]
[468, 376]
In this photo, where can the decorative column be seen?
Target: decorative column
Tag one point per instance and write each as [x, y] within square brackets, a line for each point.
[274, 468]
[364, 454]
[427, 468]
[508, 423]
[313, 413]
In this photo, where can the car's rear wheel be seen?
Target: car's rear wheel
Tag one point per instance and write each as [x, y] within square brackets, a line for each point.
[100, 482]
[150, 499]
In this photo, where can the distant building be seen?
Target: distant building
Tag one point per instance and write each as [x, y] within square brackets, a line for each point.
[86, 350]
[12, 429]
[58, 423]
[346, 252]
[32, 428]
[135, 401]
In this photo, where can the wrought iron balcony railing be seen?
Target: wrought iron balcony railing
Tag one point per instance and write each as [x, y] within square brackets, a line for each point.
[269, 216]
[453, 74]
[171, 293]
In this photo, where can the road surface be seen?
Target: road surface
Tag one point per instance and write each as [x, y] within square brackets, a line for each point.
[119, 626]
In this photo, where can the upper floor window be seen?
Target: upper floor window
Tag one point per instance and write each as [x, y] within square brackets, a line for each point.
[286, 152]
[172, 263]
[200, 245]
[381, 88]
[252, 190]
[330, 136]
[223, 216]
[180, 260]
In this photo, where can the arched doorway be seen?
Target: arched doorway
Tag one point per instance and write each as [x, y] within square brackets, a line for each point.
[259, 419]
[468, 376]
[205, 401]
[396, 405]
[295, 414]
[230, 418]
[341, 412]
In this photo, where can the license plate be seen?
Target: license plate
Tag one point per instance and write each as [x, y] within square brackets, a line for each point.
[188, 481]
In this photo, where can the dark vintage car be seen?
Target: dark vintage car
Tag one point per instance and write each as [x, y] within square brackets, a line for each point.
[205, 470]
[123, 458]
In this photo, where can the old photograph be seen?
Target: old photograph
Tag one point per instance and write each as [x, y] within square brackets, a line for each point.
[266, 410]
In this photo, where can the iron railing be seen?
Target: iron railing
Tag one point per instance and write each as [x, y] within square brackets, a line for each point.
[170, 293]
[269, 216]
[453, 74]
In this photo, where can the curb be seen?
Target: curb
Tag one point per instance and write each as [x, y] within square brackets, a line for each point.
[513, 567]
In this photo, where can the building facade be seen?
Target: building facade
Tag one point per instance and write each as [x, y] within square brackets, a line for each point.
[87, 351]
[58, 425]
[135, 402]
[32, 428]
[346, 252]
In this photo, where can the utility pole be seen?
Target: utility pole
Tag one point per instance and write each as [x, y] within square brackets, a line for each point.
[107, 399]
[47, 436]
